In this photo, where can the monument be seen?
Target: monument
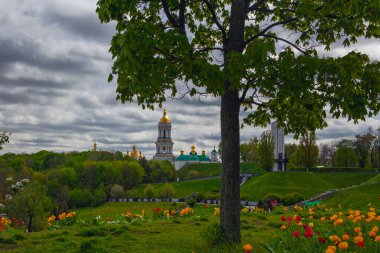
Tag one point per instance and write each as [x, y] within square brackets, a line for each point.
[279, 147]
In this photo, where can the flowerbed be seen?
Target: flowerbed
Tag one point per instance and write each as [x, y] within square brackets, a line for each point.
[321, 229]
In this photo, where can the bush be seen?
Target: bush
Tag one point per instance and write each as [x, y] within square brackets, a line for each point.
[192, 174]
[149, 191]
[245, 197]
[292, 198]
[117, 191]
[79, 198]
[99, 197]
[200, 197]
[212, 195]
[131, 194]
[167, 191]
[273, 196]
[191, 202]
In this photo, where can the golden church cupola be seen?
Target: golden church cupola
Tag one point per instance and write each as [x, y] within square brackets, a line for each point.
[164, 143]
[165, 118]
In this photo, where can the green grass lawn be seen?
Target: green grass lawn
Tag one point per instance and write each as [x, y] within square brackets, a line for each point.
[182, 235]
[342, 180]
[375, 179]
[357, 197]
[185, 234]
[306, 184]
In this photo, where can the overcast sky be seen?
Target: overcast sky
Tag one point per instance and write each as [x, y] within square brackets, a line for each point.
[54, 95]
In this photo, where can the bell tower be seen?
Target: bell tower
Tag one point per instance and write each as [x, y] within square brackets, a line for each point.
[164, 143]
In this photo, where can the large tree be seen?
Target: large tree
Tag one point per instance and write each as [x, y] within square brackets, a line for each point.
[259, 56]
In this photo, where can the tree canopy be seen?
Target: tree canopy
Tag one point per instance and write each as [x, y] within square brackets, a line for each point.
[260, 56]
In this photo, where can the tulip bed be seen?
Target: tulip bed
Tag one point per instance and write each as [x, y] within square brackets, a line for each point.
[152, 227]
[321, 229]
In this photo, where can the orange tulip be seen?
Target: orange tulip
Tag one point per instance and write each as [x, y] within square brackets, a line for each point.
[343, 245]
[345, 237]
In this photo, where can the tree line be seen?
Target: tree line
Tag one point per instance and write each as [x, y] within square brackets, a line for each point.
[362, 151]
[58, 182]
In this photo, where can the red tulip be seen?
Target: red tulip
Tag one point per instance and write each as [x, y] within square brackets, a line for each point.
[296, 234]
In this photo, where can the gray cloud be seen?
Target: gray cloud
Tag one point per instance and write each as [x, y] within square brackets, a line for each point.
[54, 63]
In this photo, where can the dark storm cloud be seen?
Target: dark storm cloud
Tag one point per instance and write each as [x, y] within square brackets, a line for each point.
[85, 26]
[54, 64]
[7, 97]
[31, 53]
[36, 83]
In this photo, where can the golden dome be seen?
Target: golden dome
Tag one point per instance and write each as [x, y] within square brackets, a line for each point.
[165, 118]
[193, 150]
[134, 153]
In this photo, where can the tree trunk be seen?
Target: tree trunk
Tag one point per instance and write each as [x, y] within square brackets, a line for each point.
[30, 223]
[230, 174]
[230, 131]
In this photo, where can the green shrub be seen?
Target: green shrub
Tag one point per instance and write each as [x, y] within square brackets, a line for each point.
[191, 202]
[132, 194]
[212, 195]
[149, 191]
[117, 191]
[273, 196]
[79, 198]
[292, 198]
[99, 197]
[192, 174]
[200, 197]
[167, 191]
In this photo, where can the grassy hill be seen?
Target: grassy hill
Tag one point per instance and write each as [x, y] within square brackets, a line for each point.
[342, 180]
[306, 184]
[204, 170]
[357, 197]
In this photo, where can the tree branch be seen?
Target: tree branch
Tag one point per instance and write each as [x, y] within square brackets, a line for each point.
[215, 18]
[208, 49]
[262, 32]
[181, 19]
[244, 94]
[286, 41]
[168, 14]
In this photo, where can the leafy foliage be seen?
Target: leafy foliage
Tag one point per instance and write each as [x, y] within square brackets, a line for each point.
[266, 151]
[4, 138]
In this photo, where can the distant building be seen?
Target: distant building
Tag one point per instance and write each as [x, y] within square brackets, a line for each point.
[164, 143]
[134, 154]
[214, 156]
[192, 157]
